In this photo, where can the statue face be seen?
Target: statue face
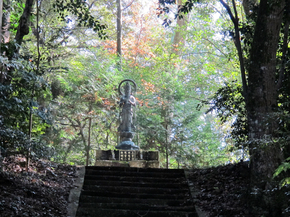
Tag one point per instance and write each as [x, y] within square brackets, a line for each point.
[127, 89]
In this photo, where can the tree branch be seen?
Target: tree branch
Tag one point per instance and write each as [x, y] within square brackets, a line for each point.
[23, 27]
[229, 11]
[237, 41]
[128, 5]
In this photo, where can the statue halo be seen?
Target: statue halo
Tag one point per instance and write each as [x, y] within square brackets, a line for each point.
[119, 88]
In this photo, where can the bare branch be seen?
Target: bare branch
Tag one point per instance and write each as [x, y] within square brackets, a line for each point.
[91, 5]
[128, 5]
[228, 10]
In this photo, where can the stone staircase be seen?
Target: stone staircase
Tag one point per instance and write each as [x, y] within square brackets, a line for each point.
[130, 192]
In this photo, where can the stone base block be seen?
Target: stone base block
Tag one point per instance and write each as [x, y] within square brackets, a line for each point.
[127, 158]
[136, 163]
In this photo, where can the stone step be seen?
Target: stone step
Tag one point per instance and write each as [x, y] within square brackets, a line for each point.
[133, 195]
[135, 174]
[137, 206]
[128, 192]
[136, 179]
[132, 169]
[127, 183]
[85, 212]
[134, 189]
[169, 202]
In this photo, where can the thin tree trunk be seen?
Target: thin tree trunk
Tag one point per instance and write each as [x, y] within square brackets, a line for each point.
[32, 95]
[84, 141]
[89, 141]
[1, 66]
[119, 34]
[167, 147]
[1, 13]
[6, 23]
[30, 135]
[70, 146]
[89, 136]
[235, 19]
[178, 40]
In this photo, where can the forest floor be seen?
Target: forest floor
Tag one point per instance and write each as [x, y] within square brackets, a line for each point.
[223, 190]
[44, 190]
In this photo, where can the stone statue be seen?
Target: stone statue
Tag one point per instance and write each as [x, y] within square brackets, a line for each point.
[127, 128]
[126, 103]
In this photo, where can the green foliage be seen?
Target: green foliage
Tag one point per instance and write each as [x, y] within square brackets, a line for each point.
[80, 9]
[229, 104]
[15, 107]
[87, 91]
[285, 166]
[77, 81]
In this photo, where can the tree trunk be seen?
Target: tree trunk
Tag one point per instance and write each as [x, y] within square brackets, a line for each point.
[23, 27]
[179, 37]
[22, 30]
[89, 134]
[119, 34]
[30, 137]
[89, 141]
[1, 13]
[4, 34]
[167, 113]
[265, 154]
[83, 138]
[6, 22]
[69, 148]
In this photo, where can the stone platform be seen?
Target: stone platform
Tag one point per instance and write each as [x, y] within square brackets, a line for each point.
[127, 158]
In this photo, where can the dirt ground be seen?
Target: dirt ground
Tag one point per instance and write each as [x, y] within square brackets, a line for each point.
[223, 190]
[42, 191]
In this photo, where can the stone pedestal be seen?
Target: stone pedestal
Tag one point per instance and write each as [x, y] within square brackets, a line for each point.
[127, 158]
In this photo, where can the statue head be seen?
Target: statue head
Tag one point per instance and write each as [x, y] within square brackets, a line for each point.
[127, 89]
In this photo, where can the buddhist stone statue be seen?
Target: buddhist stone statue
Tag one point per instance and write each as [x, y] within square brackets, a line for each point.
[126, 129]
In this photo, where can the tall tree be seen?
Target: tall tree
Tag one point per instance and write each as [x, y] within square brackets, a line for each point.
[260, 88]
[264, 49]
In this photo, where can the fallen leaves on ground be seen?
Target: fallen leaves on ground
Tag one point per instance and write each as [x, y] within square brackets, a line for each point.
[43, 190]
[222, 191]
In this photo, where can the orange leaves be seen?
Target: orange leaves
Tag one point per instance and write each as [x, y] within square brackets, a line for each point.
[146, 104]
[140, 101]
[148, 86]
[108, 104]
[152, 55]
[175, 47]
[69, 131]
[138, 41]
[87, 96]
[91, 97]
[110, 46]
[91, 112]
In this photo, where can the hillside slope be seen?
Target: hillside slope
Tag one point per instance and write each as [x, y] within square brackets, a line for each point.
[44, 190]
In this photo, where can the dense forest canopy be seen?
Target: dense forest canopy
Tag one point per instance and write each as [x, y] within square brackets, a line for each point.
[60, 75]
[212, 76]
